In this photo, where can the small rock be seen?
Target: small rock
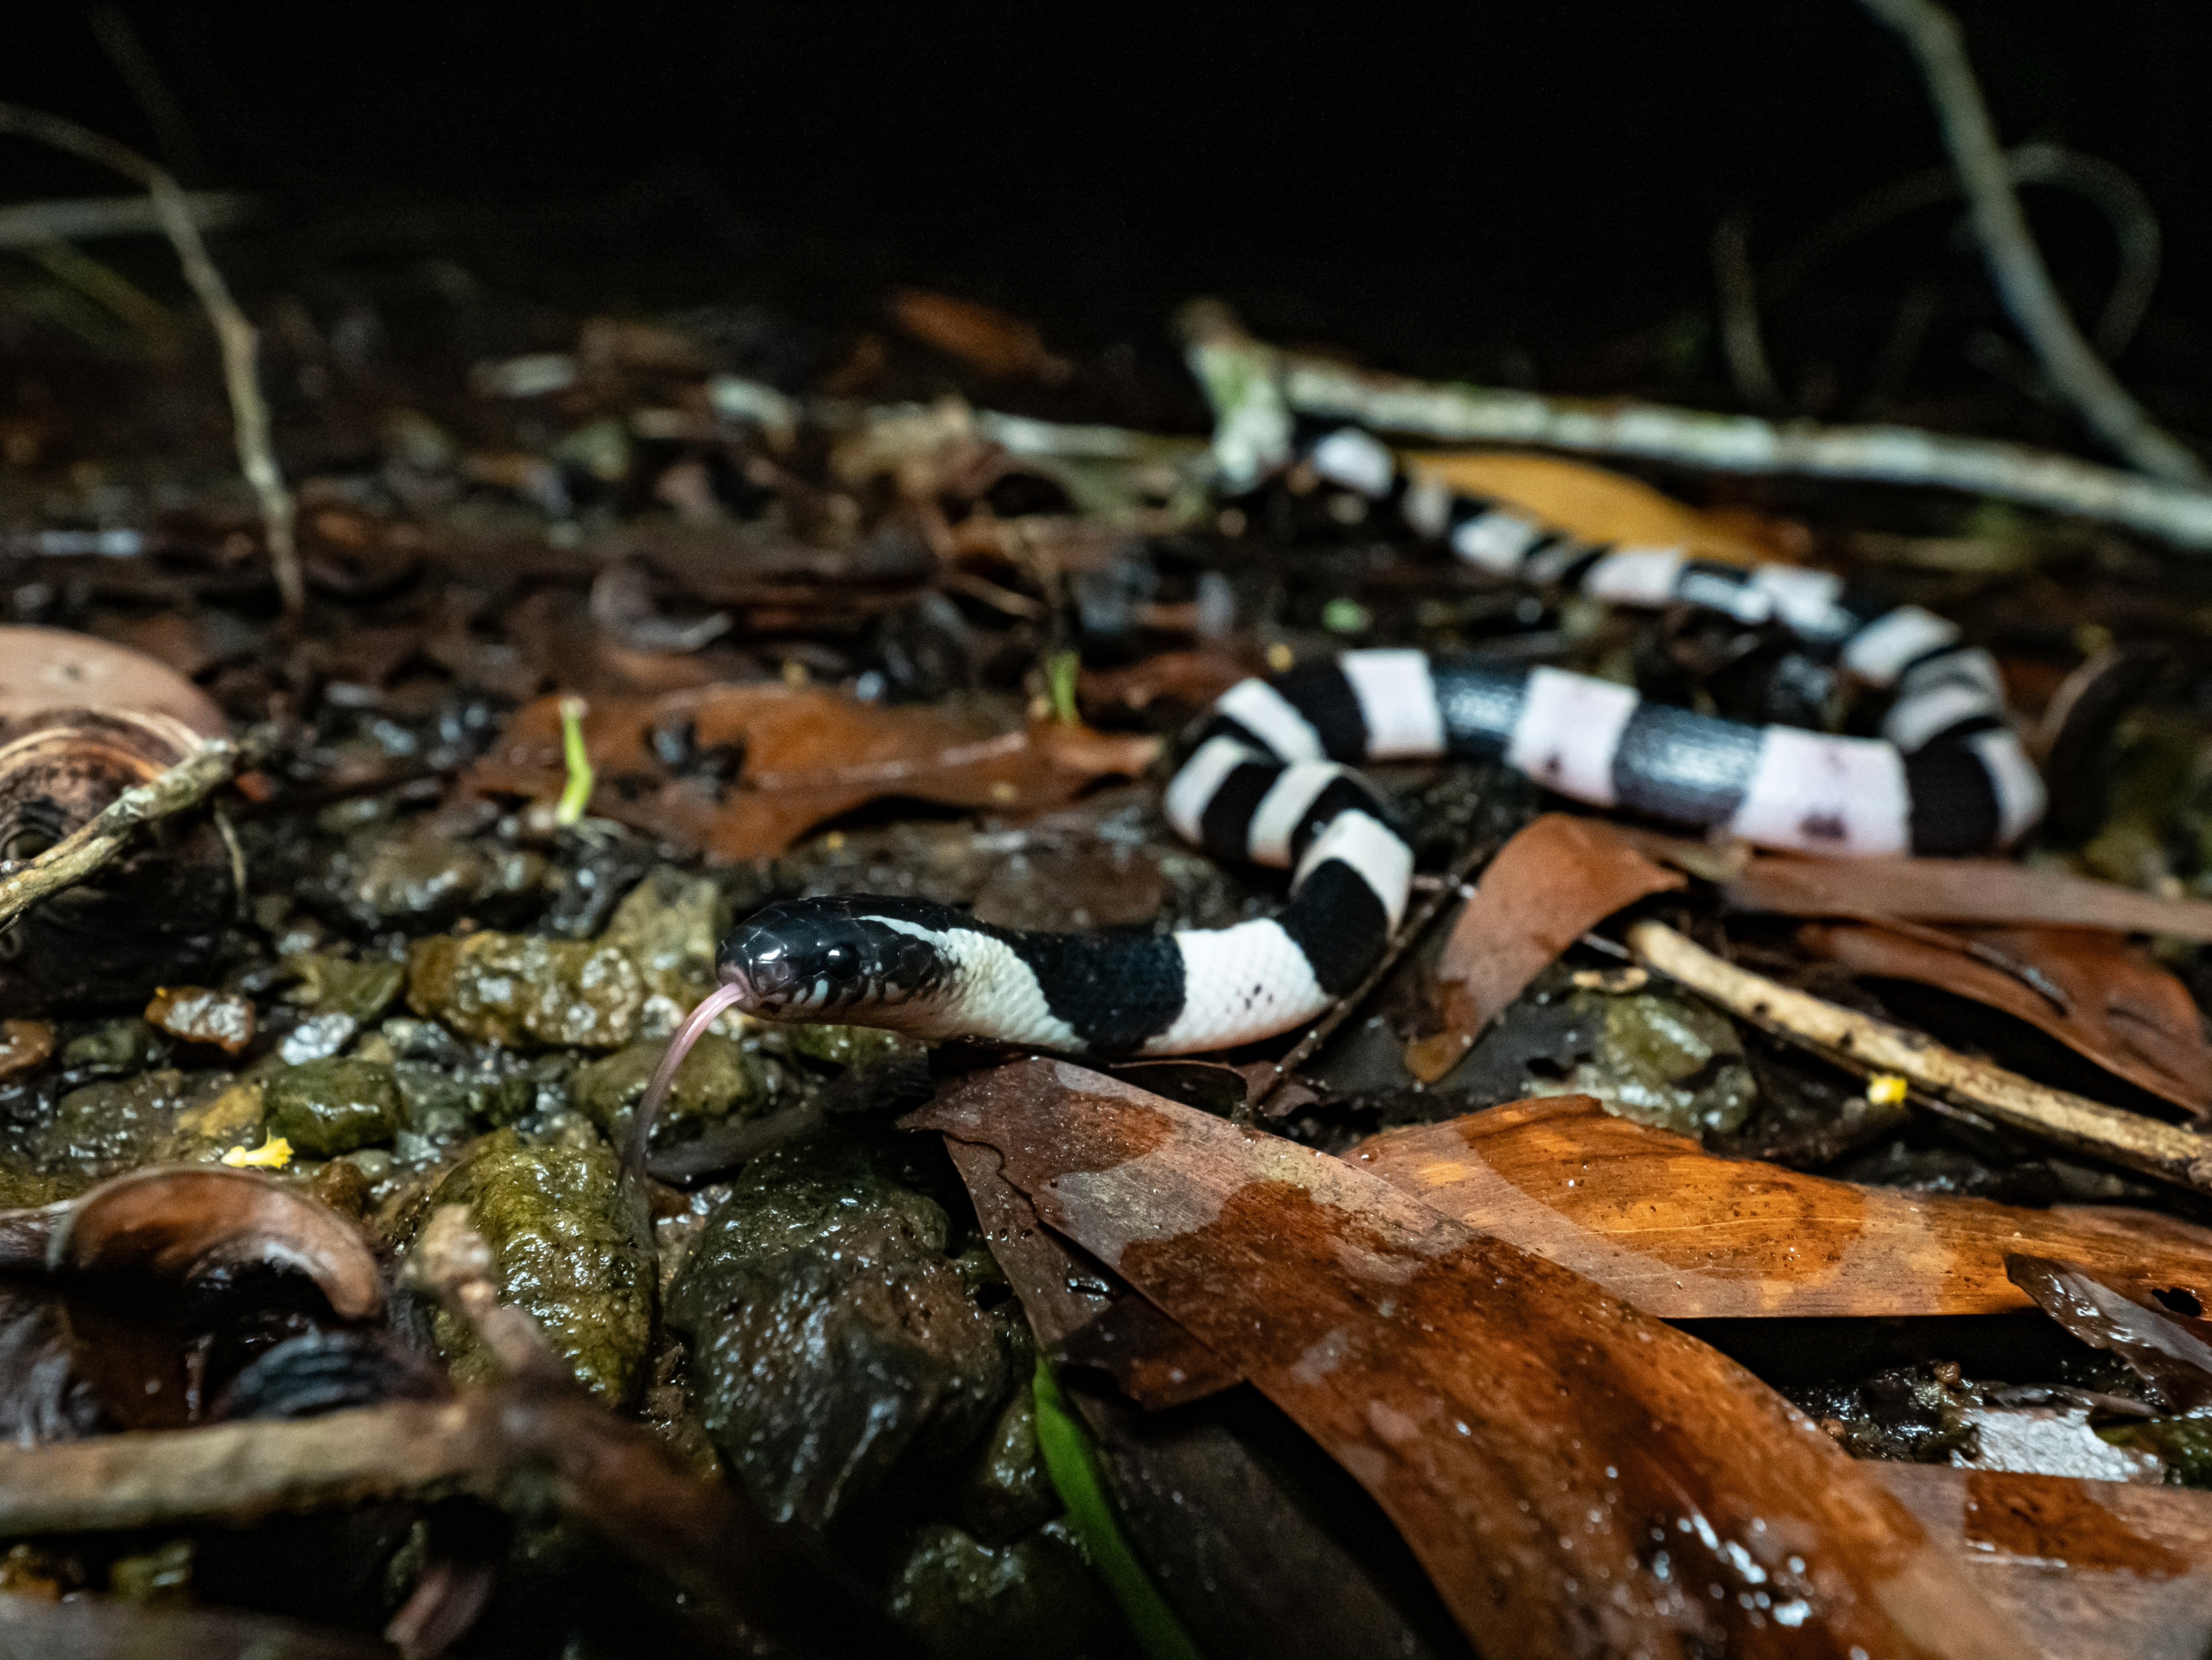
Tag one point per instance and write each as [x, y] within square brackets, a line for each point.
[337, 985]
[1032, 1600]
[564, 1252]
[1008, 1492]
[25, 1046]
[114, 1049]
[1666, 1061]
[415, 880]
[717, 1078]
[831, 1340]
[197, 1015]
[668, 926]
[847, 1046]
[325, 1107]
[107, 1127]
[516, 989]
[439, 1100]
[317, 1039]
[231, 1118]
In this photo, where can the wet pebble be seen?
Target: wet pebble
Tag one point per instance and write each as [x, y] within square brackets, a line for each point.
[718, 1078]
[193, 1014]
[832, 1340]
[325, 1108]
[521, 989]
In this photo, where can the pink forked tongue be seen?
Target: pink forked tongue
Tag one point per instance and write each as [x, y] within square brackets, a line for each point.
[648, 1105]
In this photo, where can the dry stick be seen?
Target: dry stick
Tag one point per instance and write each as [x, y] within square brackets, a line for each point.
[1741, 343]
[1342, 1010]
[1942, 1077]
[98, 840]
[85, 218]
[2015, 264]
[235, 336]
[1273, 385]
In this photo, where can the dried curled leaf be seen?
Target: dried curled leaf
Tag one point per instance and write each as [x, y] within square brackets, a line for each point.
[179, 1223]
[2092, 991]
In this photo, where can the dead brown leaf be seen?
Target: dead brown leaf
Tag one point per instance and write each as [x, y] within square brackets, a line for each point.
[1542, 1447]
[2094, 992]
[806, 755]
[2137, 1579]
[1991, 891]
[986, 340]
[1685, 1234]
[1548, 887]
[2170, 1354]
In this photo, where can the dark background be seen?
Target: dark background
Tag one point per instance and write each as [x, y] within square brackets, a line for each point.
[1527, 191]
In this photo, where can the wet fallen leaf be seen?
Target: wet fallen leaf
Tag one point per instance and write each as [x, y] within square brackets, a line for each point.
[1225, 1536]
[1547, 888]
[1526, 1432]
[2094, 992]
[806, 755]
[2166, 1353]
[979, 337]
[1991, 891]
[2136, 1574]
[1685, 1234]
[1598, 506]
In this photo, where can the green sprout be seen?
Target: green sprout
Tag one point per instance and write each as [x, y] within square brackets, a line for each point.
[1071, 1459]
[577, 795]
[1060, 670]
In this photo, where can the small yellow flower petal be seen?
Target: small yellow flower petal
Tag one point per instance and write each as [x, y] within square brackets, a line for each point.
[273, 1154]
[1886, 1089]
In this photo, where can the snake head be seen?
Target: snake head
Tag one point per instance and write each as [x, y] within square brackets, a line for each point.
[842, 959]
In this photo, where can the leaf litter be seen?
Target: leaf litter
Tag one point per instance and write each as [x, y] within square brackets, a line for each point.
[820, 626]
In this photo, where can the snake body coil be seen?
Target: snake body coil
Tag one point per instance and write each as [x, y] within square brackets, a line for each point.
[1271, 781]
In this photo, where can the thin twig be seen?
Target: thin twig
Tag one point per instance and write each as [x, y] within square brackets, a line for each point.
[2015, 264]
[1341, 1010]
[2139, 242]
[86, 218]
[1939, 1076]
[1275, 385]
[93, 844]
[235, 336]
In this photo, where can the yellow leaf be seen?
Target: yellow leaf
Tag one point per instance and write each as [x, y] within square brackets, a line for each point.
[273, 1154]
[1598, 506]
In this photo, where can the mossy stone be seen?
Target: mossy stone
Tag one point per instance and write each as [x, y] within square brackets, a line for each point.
[563, 1251]
[338, 985]
[106, 1129]
[325, 1108]
[517, 989]
[717, 1078]
[847, 1046]
[1667, 1062]
[668, 926]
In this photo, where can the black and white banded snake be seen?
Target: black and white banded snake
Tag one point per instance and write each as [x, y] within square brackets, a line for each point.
[1271, 780]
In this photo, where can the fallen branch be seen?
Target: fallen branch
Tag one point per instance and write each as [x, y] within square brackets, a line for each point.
[1257, 389]
[2015, 264]
[93, 844]
[235, 336]
[1939, 1077]
[86, 218]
